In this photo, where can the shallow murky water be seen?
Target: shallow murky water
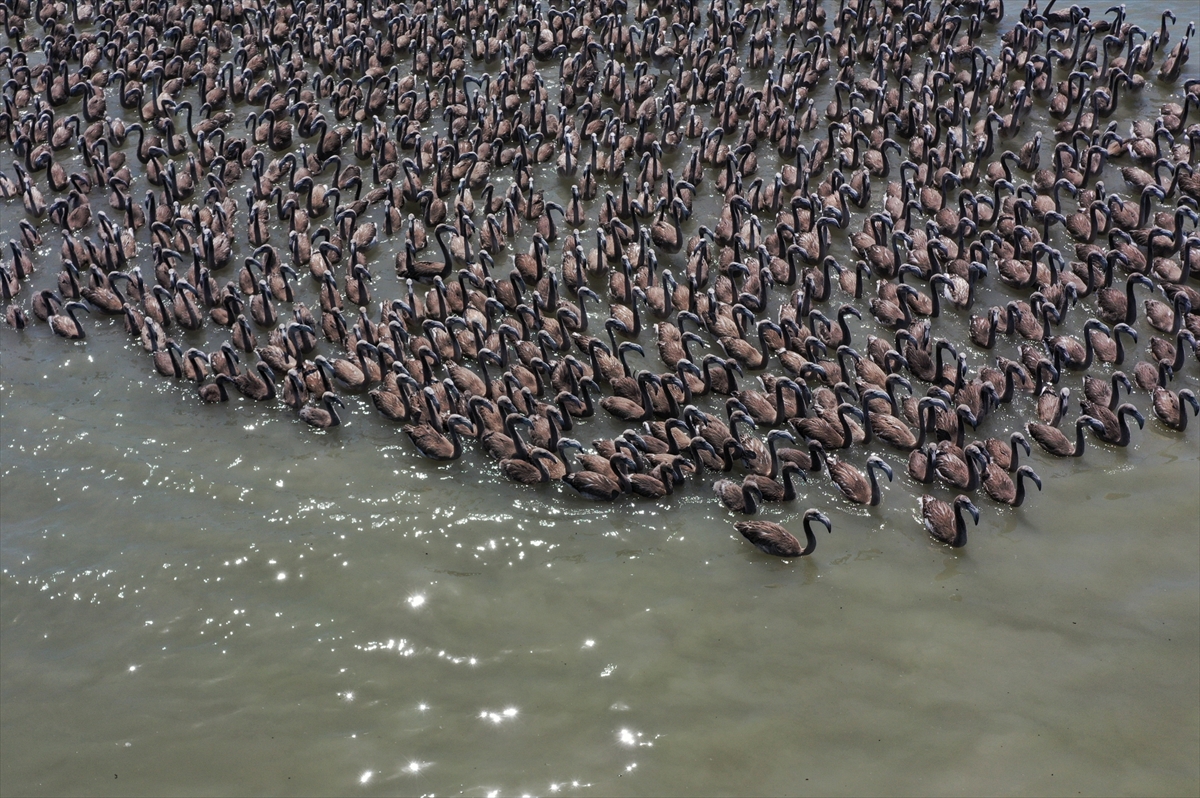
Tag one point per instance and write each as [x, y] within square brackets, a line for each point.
[216, 600]
[219, 600]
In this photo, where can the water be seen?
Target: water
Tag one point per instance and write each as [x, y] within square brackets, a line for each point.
[204, 600]
[214, 600]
